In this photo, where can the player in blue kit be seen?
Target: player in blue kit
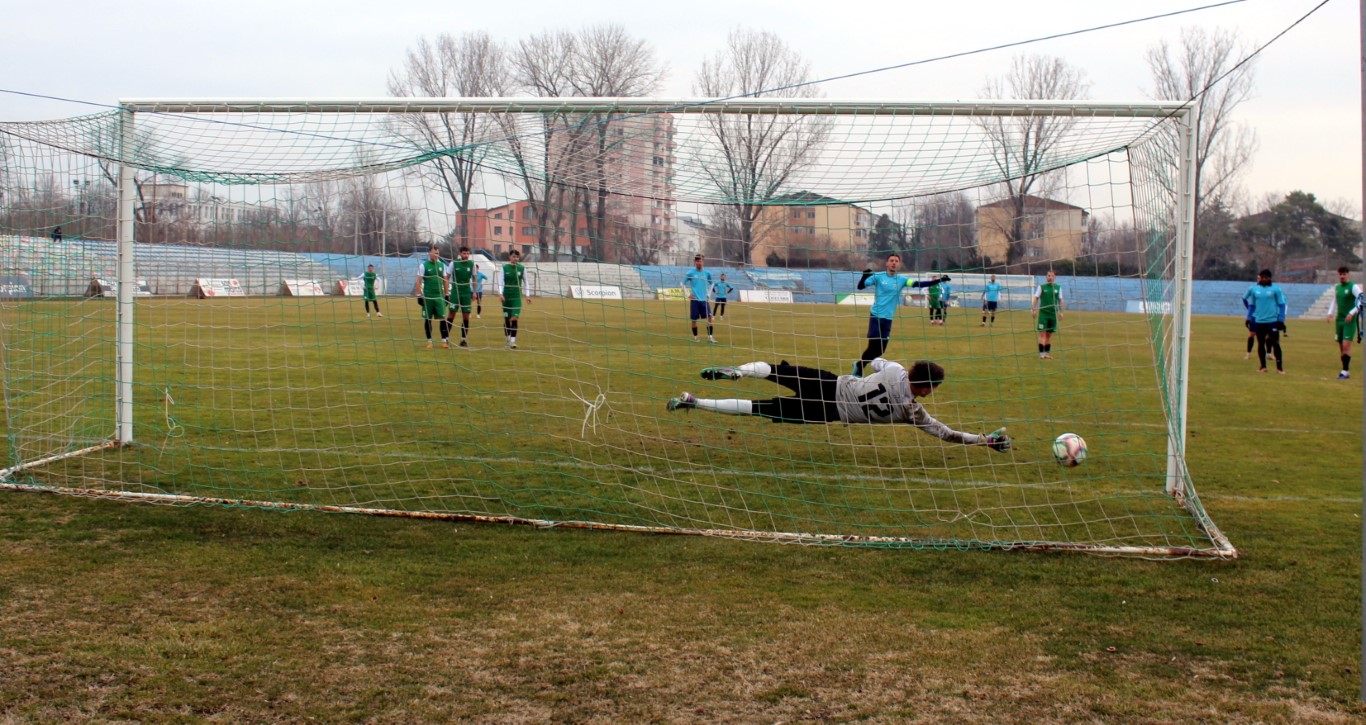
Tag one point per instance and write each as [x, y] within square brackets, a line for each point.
[723, 290]
[1265, 303]
[698, 284]
[479, 279]
[991, 297]
[887, 286]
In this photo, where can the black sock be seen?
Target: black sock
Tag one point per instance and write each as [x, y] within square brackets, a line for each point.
[445, 330]
[1048, 347]
[479, 309]
[464, 329]
[708, 330]
[1249, 344]
[1041, 348]
[1346, 362]
[515, 324]
[694, 330]
[507, 327]
[427, 325]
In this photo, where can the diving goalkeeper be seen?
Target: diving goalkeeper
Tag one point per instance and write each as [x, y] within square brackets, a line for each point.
[889, 395]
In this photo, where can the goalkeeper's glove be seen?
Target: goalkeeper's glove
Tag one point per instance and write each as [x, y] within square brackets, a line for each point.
[997, 440]
[862, 281]
[1280, 325]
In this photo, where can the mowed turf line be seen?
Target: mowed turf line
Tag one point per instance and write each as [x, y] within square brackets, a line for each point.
[162, 614]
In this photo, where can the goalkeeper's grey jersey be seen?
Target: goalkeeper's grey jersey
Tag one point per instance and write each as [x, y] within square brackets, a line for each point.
[885, 397]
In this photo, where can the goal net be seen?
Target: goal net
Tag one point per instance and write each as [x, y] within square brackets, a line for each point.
[186, 314]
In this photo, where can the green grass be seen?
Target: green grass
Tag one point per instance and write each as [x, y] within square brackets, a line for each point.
[307, 402]
[148, 613]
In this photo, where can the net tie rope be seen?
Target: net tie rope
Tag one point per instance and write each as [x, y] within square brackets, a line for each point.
[590, 414]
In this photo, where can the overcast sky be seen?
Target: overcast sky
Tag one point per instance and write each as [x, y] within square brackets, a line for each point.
[1306, 109]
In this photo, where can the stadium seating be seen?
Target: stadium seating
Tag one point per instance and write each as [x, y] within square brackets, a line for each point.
[66, 269]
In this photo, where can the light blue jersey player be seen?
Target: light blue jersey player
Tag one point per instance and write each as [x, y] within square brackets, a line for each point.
[887, 287]
[698, 284]
[1265, 303]
[722, 290]
[991, 297]
[479, 279]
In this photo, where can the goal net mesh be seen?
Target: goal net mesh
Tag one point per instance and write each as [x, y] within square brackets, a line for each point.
[261, 376]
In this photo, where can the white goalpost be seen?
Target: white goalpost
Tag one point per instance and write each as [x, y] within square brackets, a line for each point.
[308, 402]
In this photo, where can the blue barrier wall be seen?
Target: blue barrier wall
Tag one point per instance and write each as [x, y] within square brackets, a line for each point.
[1095, 294]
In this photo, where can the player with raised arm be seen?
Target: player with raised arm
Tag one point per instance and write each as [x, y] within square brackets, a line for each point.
[460, 274]
[889, 395]
[1049, 307]
[887, 286]
[991, 298]
[722, 291]
[1345, 310]
[368, 290]
[1265, 303]
[431, 290]
[514, 286]
[698, 284]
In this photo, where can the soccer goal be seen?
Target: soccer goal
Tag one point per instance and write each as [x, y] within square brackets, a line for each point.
[265, 303]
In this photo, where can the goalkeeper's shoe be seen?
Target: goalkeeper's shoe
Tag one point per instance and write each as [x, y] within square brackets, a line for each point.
[686, 401]
[720, 374]
[997, 440]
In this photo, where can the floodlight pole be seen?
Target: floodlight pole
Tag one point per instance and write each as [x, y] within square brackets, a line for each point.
[127, 284]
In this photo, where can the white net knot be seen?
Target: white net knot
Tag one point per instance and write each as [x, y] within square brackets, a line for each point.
[590, 414]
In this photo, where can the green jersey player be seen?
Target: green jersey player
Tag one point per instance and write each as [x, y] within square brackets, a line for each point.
[368, 290]
[460, 275]
[514, 285]
[431, 289]
[1345, 313]
[889, 395]
[1049, 306]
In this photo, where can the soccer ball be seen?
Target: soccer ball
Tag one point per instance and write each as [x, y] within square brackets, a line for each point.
[1069, 449]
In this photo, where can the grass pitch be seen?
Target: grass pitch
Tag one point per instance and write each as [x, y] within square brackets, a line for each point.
[128, 612]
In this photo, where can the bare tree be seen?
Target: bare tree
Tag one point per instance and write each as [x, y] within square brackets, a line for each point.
[1205, 68]
[5, 173]
[544, 153]
[607, 62]
[106, 141]
[563, 166]
[634, 245]
[945, 230]
[1024, 145]
[759, 154]
[473, 65]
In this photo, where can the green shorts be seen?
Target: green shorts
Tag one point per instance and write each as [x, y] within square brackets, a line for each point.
[1346, 330]
[462, 301]
[512, 307]
[369, 297]
[936, 305]
[433, 309]
[1048, 323]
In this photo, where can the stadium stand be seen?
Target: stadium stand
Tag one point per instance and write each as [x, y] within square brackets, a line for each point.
[65, 269]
